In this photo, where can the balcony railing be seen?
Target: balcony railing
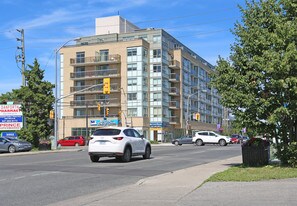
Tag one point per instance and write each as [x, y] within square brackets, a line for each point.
[174, 104]
[174, 91]
[174, 77]
[113, 88]
[114, 58]
[174, 64]
[94, 102]
[95, 73]
[173, 120]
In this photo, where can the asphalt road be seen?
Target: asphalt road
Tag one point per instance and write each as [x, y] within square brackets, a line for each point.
[48, 178]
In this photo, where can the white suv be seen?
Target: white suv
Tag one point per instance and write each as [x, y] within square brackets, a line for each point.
[209, 137]
[119, 142]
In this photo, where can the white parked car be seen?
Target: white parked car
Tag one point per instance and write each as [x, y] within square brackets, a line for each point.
[119, 142]
[208, 137]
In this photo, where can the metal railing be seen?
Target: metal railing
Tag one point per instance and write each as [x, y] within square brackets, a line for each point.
[113, 58]
[94, 102]
[95, 73]
[99, 88]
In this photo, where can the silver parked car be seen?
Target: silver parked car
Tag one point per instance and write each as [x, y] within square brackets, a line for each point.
[187, 139]
[9, 144]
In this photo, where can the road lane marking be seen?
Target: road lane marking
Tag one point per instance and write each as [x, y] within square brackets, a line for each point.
[21, 177]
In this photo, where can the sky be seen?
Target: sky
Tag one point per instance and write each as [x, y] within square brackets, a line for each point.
[202, 25]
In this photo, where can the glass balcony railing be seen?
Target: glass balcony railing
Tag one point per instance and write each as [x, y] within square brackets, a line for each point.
[174, 104]
[114, 58]
[94, 102]
[95, 73]
[173, 91]
[113, 88]
[174, 64]
[174, 77]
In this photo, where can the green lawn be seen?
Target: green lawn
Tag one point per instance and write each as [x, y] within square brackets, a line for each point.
[248, 174]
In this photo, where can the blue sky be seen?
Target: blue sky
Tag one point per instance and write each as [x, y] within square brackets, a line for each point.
[202, 25]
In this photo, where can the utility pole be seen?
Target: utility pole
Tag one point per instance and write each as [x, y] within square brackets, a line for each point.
[21, 58]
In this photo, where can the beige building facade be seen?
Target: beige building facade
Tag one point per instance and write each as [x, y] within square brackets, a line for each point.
[157, 84]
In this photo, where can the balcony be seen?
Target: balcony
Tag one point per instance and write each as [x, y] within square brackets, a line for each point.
[98, 89]
[173, 120]
[96, 60]
[174, 77]
[95, 74]
[173, 105]
[115, 102]
[174, 91]
[174, 64]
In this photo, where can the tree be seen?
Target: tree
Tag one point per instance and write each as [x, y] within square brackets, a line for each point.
[8, 96]
[36, 102]
[259, 80]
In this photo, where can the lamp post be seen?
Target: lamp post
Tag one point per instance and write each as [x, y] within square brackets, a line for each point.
[188, 102]
[54, 145]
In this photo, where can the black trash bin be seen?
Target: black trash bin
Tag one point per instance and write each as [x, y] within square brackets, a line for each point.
[255, 152]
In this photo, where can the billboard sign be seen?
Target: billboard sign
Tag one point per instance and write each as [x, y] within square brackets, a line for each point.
[11, 117]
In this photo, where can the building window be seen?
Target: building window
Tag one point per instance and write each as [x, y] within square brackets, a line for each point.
[132, 96]
[144, 53]
[156, 39]
[157, 112]
[157, 82]
[79, 112]
[80, 97]
[80, 57]
[132, 112]
[81, 131]
[156, 53]
[157, 96]
[104, 55]
[143, 37]
[131, 52]
[132, 81]
[156, 68]
[132, 67]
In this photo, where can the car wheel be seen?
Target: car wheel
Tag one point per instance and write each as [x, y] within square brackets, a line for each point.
[76, 144]
[176, 143]
[94, 158]
[199, 142]
[11, 149]
[222, 142]
[147, 153]
[127, 155]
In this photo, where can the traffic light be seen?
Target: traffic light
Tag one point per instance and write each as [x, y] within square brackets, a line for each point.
[99, 107]
[107, 111]
[197, 116]
[106, 86]
[52, 114]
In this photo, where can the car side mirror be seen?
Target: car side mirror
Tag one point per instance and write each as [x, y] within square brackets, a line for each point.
[141, 136]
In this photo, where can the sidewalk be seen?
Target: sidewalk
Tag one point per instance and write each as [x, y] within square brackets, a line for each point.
[167, 189]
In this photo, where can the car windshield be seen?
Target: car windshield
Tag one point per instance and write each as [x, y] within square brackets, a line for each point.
[107, 132]
[11, 138]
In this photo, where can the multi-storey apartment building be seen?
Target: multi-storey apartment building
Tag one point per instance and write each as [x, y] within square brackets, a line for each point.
[156, 83]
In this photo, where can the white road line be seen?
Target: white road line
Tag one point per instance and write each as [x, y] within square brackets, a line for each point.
[44, 173]
[21, 177]
[2, 180]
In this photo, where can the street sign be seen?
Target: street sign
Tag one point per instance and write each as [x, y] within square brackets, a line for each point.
[11, 117]
[9, 134]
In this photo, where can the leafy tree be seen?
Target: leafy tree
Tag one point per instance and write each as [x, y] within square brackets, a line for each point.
[259, 80]
[8, 96]
[37, 100]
